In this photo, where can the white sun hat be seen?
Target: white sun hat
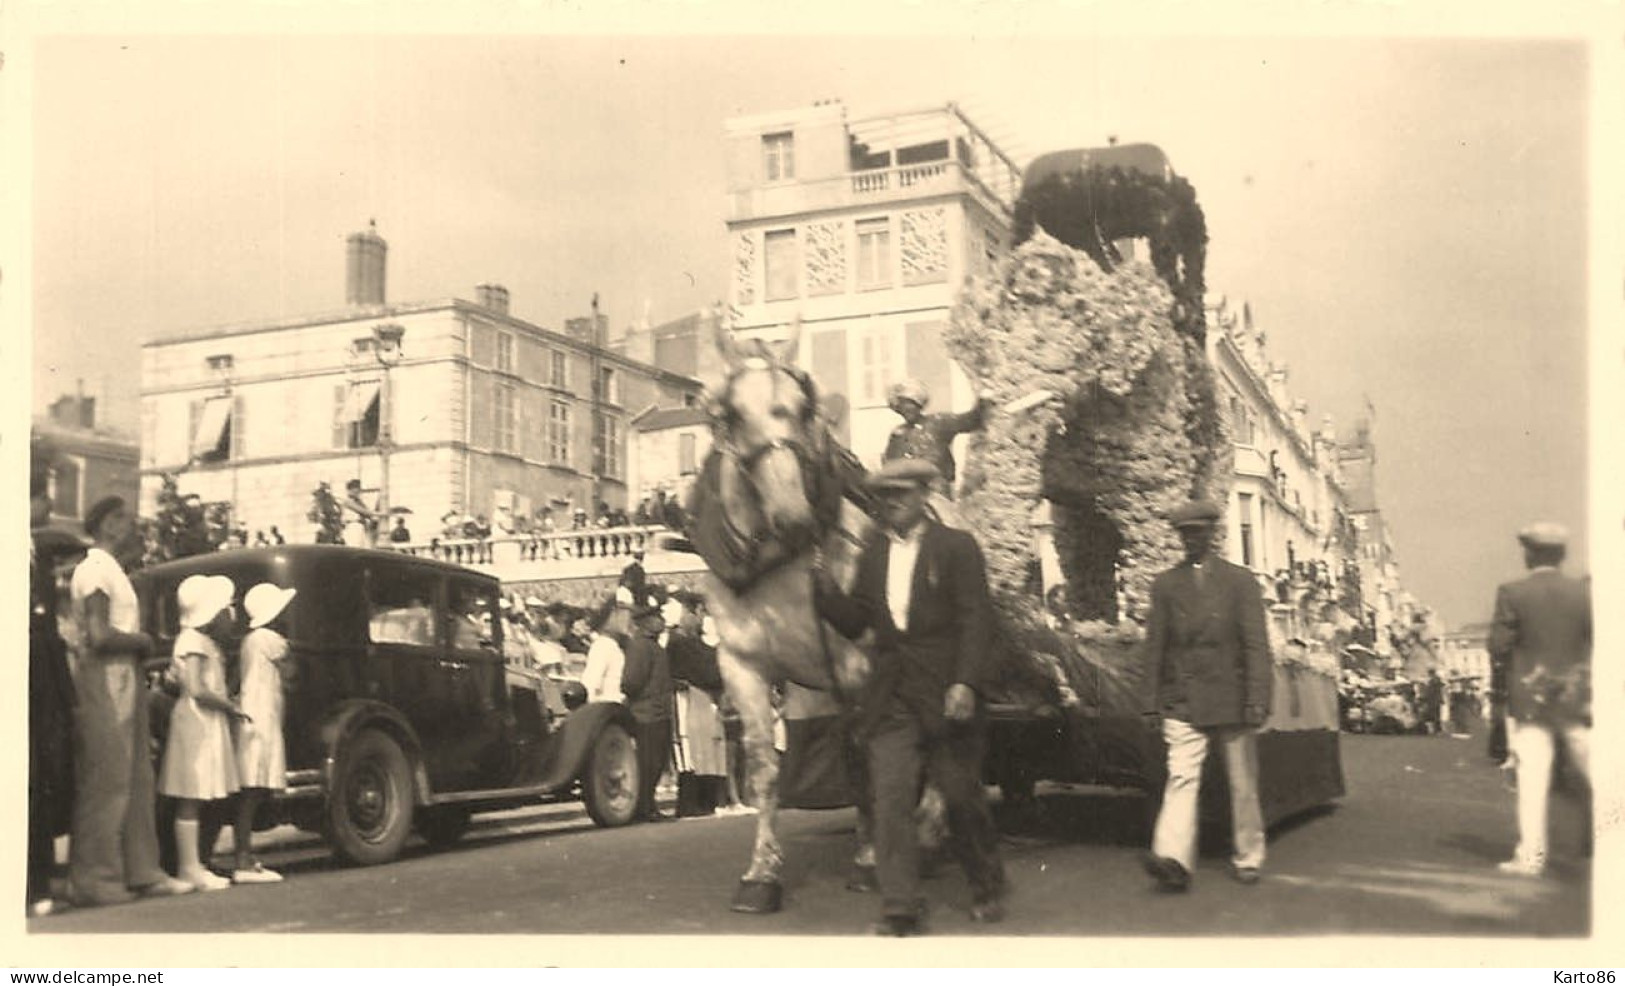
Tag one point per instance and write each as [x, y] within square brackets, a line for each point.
[265, 601]
[201, 597]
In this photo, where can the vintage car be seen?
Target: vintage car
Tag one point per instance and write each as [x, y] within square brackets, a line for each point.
[401, 713]
[1087, 726]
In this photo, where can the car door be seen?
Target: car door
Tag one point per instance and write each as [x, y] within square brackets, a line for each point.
[407, 654]
[478, 680]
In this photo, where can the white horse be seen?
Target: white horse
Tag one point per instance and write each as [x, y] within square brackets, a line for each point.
[785, 488]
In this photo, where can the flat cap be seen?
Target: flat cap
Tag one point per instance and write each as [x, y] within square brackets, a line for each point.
[1545, 534]
[902, 474]
[1195, 512]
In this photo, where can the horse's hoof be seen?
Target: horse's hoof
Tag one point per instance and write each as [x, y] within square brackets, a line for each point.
[758, 897]
[864, 880]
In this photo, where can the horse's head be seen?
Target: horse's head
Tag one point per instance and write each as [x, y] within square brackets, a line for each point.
[769, 424]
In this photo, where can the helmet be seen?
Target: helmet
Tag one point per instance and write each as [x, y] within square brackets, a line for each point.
[908, 390]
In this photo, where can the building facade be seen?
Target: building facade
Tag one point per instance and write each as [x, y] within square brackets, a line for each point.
[867, 229]
[89, 461]
[1289, 519]
[668, 447]
[475, 411]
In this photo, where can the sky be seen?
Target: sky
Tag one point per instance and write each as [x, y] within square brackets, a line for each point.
[1407, 219]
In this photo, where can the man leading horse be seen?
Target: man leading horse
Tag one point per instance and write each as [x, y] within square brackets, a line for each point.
[775, 495]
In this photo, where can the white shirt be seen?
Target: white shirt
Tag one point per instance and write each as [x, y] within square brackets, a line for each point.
[99, 572]
[905, 552]
[602, 675]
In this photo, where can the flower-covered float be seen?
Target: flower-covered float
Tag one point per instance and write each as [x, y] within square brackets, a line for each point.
[1109, 421]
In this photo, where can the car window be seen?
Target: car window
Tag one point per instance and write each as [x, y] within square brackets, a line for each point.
[471, 617]
[400, 607]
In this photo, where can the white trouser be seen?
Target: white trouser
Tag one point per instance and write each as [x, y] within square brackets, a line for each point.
[1534, 745]
[1175, 833]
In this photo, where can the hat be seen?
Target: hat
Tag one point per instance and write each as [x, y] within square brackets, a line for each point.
[99, 511]
[1195, 512]
[645, 604]
[354, 484]
[903, 474]
[908, 390]
[265, 601]
[201, 597]
[534, 602]
[1544, 534]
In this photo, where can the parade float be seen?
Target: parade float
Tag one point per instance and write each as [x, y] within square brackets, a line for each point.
[1109, 421]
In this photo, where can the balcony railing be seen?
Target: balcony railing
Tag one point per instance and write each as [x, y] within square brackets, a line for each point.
[586, 543]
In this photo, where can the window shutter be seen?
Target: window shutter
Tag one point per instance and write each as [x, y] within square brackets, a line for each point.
[927, 360]
[829, 370]
[238, 429]
[341, 428]
[194, 416]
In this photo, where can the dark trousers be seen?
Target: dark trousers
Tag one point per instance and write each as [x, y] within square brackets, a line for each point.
[654, 751]
[41, 844]
[898, 750]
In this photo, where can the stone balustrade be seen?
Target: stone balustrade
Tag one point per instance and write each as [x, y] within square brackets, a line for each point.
[602, 543]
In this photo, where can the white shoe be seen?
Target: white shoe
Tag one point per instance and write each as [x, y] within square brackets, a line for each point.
[167, 887]
[1523, 866]
[257, 874]
[205, 880]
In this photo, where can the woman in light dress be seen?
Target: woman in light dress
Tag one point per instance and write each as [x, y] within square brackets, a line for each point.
[606, 658]
[262, 764]
[200, 763]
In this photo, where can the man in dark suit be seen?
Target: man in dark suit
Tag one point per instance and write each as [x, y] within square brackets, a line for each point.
[922, 588]
[646, 683]
[1208, 658]
[1542, 634]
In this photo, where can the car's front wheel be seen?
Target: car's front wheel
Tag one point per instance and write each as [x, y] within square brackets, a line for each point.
[369, 808]
[609, 785]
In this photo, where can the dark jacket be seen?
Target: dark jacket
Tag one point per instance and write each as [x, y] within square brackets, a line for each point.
[693, 661]
[949, 635]
[932, 439]
[646, 679]
[1542, 634]
[1207, 652]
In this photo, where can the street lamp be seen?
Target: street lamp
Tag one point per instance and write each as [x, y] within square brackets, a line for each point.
[386, 349]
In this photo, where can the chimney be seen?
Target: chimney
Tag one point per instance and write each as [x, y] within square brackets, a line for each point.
[493, 296]
[364, 267]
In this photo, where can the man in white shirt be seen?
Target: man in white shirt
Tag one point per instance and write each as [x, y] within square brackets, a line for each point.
[922, 589]
[114, 849]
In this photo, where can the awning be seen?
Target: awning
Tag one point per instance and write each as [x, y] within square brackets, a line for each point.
[211, 425]
[360, 400]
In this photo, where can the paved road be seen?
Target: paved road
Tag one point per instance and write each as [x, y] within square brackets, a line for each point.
[1411, 850]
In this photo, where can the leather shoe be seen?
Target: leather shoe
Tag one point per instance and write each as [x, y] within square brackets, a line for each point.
[1170, 874]
[656, 816]
[1245, 874]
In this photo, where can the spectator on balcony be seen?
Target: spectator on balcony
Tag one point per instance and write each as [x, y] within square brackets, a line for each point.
[361, 521]
[503, 521]
[399, 534]
[276, 536]
[641, 516]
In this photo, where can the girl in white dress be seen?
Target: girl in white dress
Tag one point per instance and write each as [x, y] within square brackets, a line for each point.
[262, 764]
[199, 761]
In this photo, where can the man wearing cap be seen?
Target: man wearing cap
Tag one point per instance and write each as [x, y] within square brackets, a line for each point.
[1208, 661]
[922, 588]
[646, 682]
[929, 437]
[114, 847]
[1542, 634]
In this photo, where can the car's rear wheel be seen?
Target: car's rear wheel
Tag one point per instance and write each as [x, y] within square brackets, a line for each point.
[443, 825]
[369, 809]
[609, 785]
